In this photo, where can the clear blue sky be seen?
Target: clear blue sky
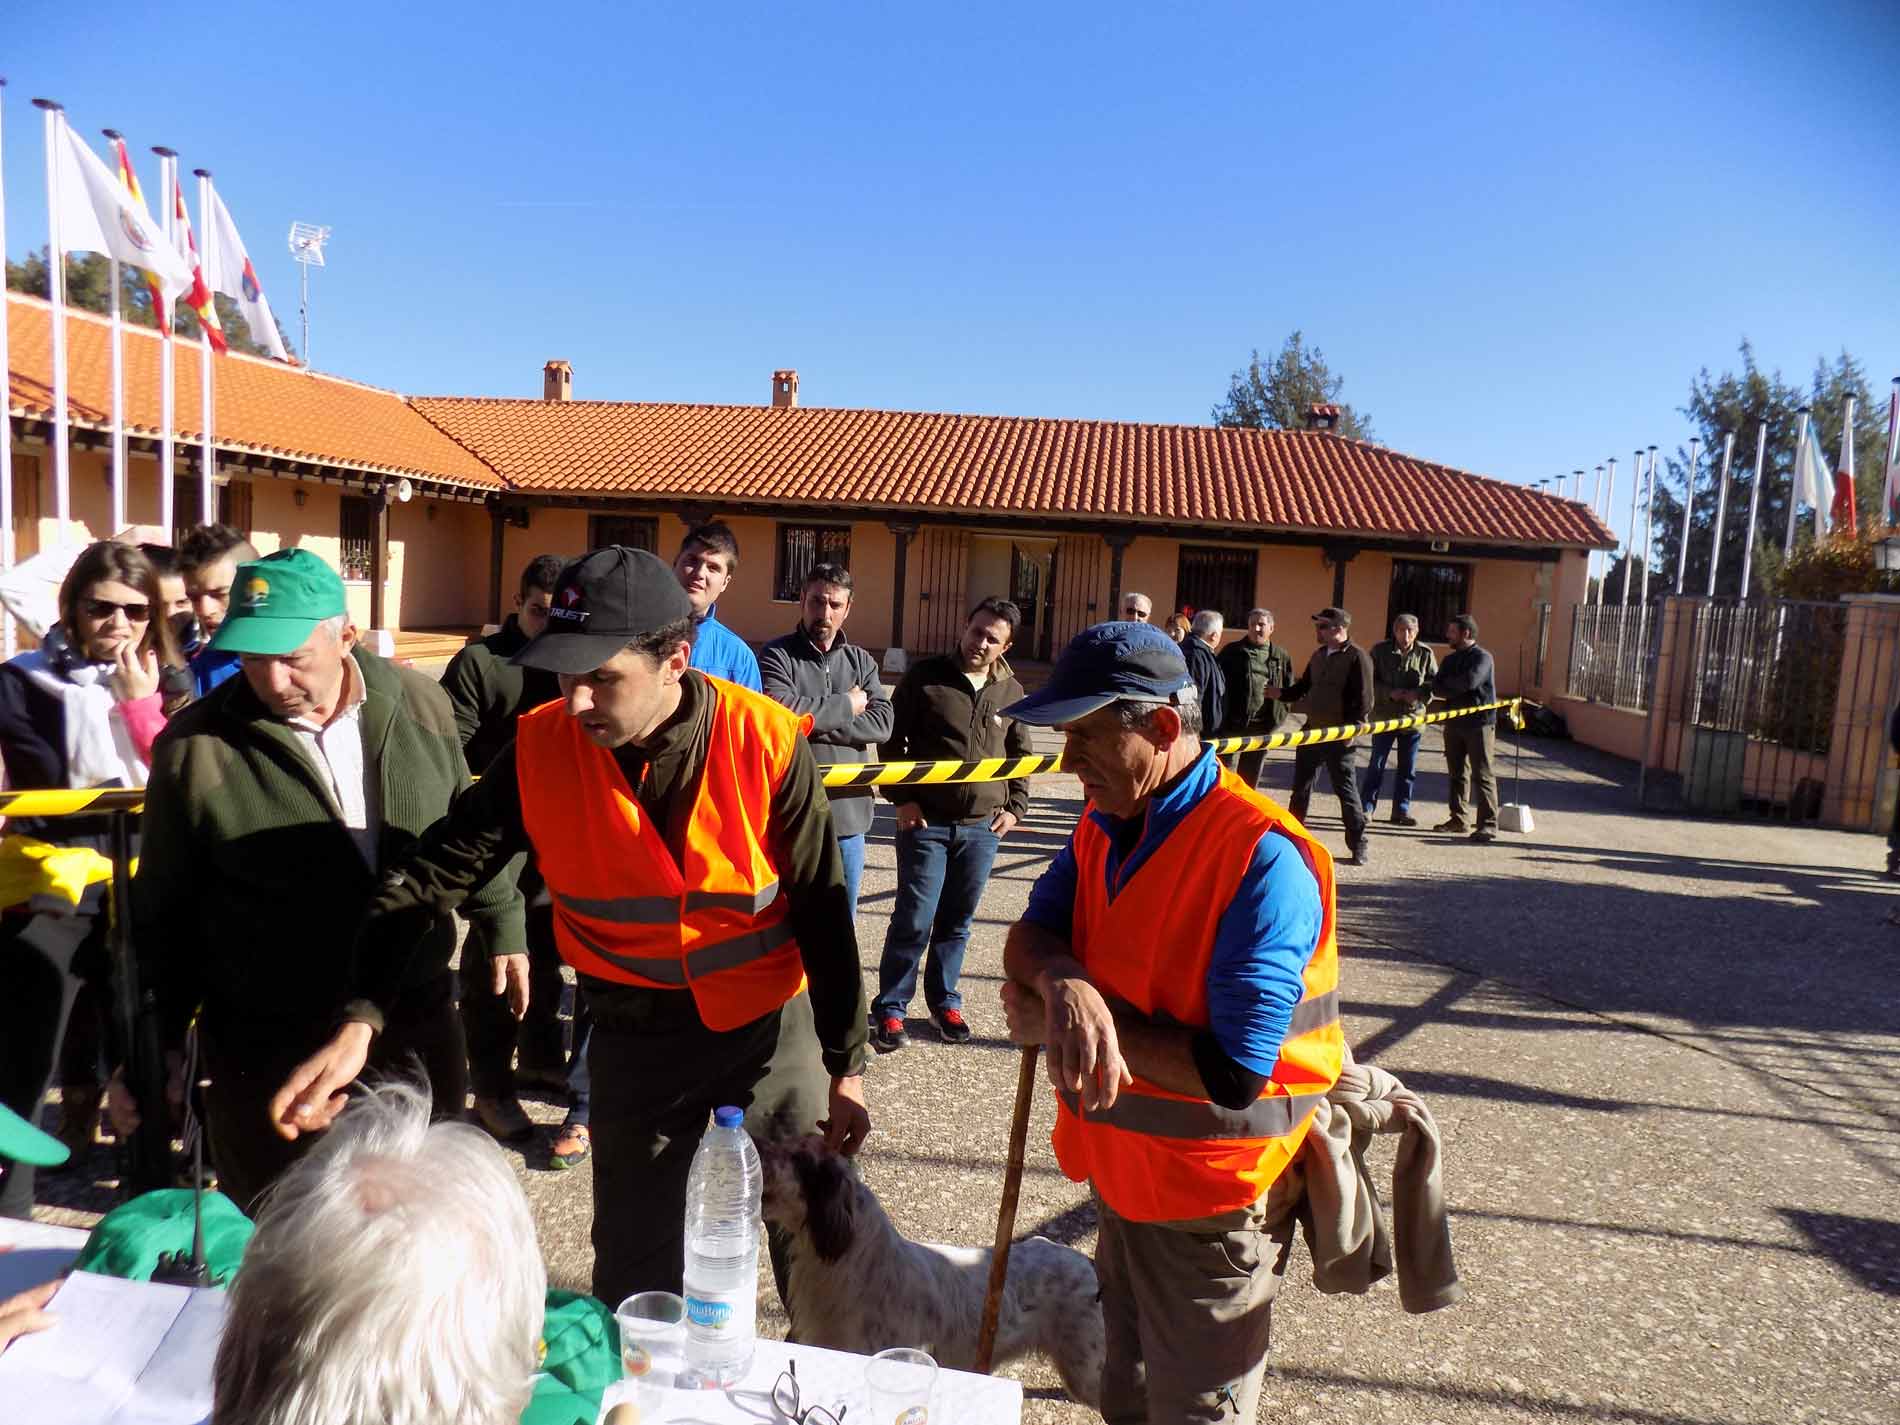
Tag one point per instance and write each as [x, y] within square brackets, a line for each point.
[1517, 230]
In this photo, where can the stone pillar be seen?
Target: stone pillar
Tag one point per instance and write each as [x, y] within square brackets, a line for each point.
[1859, 754]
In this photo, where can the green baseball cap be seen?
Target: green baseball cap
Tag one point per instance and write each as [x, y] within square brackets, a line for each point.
[21, 1142]
[277, 601]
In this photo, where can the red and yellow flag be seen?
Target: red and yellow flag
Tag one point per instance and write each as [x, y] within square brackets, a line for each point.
[130, 180]
[199, 297]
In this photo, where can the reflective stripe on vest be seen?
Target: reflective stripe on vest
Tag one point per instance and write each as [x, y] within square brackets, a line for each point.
[1161, 1156]
[710, 917]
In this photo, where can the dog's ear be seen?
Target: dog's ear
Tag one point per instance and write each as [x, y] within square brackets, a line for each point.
[831, 1201]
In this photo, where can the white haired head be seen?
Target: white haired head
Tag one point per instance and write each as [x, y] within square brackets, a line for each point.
[1208, 624]
[394, 1279]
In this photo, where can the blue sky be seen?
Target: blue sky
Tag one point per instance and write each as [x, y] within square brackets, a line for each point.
[1517, 230]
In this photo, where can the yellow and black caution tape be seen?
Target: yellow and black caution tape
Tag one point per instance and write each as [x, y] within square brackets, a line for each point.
[1002, 769]
[848, 774]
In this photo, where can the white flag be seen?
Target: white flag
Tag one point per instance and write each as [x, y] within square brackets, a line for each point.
[97, 214]
[1814, 482]
[232, 274]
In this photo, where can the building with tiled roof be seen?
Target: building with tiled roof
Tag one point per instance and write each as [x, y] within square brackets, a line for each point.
[930, 511]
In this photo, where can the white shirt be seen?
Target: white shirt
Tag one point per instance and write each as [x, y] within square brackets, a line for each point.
[336, 751]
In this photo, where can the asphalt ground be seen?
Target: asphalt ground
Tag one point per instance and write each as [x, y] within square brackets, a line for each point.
[1664, 1056]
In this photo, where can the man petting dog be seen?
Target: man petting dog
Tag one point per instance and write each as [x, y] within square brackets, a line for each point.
[1178, 961]
[686, 841]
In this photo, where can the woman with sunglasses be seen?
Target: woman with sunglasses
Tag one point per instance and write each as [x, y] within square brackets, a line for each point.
[80, 711]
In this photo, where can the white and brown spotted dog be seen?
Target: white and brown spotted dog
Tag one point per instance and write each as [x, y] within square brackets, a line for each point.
[857, 1284]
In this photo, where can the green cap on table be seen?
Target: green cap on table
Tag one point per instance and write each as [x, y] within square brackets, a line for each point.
[277, 603]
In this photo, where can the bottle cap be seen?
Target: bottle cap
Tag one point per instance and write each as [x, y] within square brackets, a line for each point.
[728, 1117]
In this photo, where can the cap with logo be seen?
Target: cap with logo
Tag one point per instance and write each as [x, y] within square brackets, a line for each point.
[601, 601]
[1104, 664]
[21, 1142]
[277, 603]
[1335, 616]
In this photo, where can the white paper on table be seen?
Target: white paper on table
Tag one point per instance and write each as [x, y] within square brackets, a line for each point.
[121, 1353]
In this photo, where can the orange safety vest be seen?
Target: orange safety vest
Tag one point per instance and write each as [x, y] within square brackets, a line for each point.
[715, 920]
[1157, 1156]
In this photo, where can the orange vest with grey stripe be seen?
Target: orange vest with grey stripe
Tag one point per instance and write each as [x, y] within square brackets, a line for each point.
[713, 920]
[1157, 1156]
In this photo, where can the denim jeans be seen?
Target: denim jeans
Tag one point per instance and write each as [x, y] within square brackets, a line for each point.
[852, 848]
[941, 872]
[1375, 770]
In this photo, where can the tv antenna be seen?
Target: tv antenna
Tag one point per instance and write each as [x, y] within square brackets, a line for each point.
[306, 245]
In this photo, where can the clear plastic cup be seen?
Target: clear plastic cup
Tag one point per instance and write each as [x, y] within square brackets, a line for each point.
[652, 1338]
[899, 1382]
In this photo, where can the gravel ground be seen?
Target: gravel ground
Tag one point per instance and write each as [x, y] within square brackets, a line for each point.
[1664, 1055]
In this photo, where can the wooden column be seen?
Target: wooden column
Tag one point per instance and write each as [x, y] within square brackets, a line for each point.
[1117, 546]
[497, 545]
[379, 563]
[1341, 555]
[904, 534]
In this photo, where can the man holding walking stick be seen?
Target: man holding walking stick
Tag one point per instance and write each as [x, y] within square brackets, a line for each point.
[1178, 961]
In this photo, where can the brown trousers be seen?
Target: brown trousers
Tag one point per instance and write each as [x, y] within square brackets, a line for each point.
[1470, 752]
[1189, 1310]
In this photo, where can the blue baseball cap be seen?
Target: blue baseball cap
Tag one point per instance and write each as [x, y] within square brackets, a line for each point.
[1104, 664]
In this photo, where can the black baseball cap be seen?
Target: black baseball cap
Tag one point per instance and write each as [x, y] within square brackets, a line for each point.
[601, 602]
[1105, 664]
[1332, 615]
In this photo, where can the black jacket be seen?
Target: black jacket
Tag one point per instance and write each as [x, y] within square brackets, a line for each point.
[796, 674]
[1209, 681]
[938, 716]
[489, 693]
[1466, 679]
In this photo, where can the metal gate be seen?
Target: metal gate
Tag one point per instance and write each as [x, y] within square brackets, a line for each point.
[1770, 708]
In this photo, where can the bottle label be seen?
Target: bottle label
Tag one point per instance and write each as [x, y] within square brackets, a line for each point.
[711, 1315]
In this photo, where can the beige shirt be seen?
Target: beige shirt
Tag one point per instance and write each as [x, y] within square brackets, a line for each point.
[335, 749]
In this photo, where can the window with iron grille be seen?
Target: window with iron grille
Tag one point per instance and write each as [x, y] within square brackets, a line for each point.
[1216, 577]
[800, 547]
[1435, 592]
[634, 531]
[357, 526]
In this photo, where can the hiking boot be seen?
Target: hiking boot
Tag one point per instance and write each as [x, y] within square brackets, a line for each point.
[1398, 820]
[571, 1147]
[1361, 854]
[951, 1025]
[1484, 836]
[888, 1035]
[504, 1118]
[1452, 825]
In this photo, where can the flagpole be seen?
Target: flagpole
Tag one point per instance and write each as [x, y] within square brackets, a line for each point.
[1629, 548]
[207, 451]
[1754, 503]
[1794, 482]
[56, 289]
[1721, 508]
[1609, 499]
[1688, 510]
[1890, 477]
[167, 379]
[7, 638]
[118, 382]
[1649, 510]
[1596, 506]
[1576, 486]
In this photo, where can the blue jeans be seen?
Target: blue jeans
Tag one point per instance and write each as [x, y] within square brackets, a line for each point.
[941, 872]
[853, 849]
[1375, 770]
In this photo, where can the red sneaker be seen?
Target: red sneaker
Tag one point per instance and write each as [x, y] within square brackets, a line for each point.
[951, 1024]
[888, 1034]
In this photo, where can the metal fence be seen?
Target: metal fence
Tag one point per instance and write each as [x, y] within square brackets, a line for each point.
[1611, 657]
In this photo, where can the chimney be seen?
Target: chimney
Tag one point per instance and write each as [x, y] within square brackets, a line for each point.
[557, 381]
[1322, 416]
[785, 388]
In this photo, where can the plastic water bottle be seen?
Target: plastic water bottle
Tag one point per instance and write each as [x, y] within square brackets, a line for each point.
[722, 1253]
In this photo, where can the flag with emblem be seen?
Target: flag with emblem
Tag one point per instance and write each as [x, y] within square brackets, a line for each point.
[1813, 485]
[232, 274]
[129, 180]
[98, 214]
[1843, 512]
[198, 297]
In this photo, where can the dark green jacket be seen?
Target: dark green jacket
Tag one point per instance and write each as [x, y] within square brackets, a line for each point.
[1249, 670]
[249, 889]
[488, 692]
[1410, 671]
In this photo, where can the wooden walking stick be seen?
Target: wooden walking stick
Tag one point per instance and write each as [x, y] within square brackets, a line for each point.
[1006, 1213]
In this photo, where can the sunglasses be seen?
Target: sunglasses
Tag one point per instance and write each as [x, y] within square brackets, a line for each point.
[785, 1400]
[106, 608]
